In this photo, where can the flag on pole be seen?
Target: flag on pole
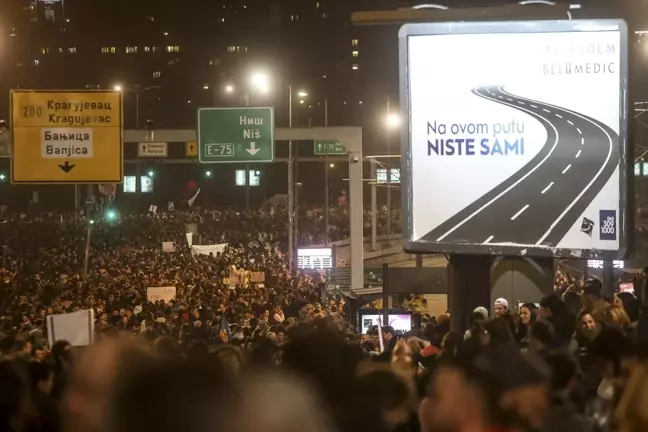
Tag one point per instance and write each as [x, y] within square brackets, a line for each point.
[193, 198]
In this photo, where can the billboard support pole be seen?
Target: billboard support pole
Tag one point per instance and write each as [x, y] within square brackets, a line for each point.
[469, 288]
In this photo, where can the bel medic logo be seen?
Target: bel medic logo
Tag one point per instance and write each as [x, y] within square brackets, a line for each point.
[607, 224]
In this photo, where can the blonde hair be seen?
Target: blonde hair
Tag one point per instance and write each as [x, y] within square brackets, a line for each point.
[611, 315]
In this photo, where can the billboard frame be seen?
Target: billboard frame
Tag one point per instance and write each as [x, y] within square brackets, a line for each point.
[625, 219]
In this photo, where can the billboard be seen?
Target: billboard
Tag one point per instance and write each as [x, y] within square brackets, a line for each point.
[517, 138]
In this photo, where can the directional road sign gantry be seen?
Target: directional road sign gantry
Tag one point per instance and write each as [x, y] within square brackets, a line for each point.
[329, 147]
[235, 135]
[66, 136]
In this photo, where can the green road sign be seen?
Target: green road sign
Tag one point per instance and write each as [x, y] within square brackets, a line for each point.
[233, 135]
[329, 147]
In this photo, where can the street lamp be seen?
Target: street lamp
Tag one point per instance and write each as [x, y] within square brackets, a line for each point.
[261, 81]
[392, 121]
[229, 89]
[118, 88]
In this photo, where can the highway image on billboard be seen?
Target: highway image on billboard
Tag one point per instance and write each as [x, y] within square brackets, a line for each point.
[517, 137]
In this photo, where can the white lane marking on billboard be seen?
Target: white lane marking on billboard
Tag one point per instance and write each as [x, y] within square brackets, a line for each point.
[534, 106]
[489, 239]
[545, 110]
[566, 168]
[521, 103]
[598, 174]
[509, 99]
[578, 154]
[558, 115]
[531, 171]
[570, 122]
[547, 188]
[515, 216]
[582, 141]
[579, 131]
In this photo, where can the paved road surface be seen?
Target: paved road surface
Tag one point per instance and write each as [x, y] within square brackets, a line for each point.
[542, 201]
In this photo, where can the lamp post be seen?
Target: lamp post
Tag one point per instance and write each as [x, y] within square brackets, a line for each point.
[392, 122]
[137, 89]
[291, 179]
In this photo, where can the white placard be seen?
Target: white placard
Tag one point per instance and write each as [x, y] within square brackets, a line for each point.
[207, 249]
[75, 327]
[165, 294]
[168, 247]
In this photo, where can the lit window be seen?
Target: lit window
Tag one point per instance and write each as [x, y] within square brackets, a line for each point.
[147, 49]
[113, 50]
[317, 5]
[131, 50]
[13, 33]
[324, 15]
[174, 61]
[355, 53]
[44, 50]
[222, 20]
[354, 42]
[72, 50]
[214, 62]
[36, 62]
[355, 67]
[60, 50]
[157, 74]
[205, 86]
[231, 49]
[294, 17]
[105, 50]
[173, 48]
[155, 49]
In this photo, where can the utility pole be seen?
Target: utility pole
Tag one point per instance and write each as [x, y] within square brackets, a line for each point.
[291, 185]
[389, 181]
[326, 181]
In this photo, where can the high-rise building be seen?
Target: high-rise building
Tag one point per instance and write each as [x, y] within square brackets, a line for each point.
[172, 57]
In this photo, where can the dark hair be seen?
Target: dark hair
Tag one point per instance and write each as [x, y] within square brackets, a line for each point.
[554, 304]
[500, 332]
[563, 370]
[39, 372]
[543, 331]
[572, 302]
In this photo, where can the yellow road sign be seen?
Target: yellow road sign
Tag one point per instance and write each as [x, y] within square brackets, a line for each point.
[66, 136]
[192, 149]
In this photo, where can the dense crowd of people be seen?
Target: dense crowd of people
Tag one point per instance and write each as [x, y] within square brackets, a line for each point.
[279, 354]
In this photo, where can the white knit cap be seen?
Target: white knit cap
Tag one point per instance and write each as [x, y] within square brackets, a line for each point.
[501, 302]
[482, 310]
